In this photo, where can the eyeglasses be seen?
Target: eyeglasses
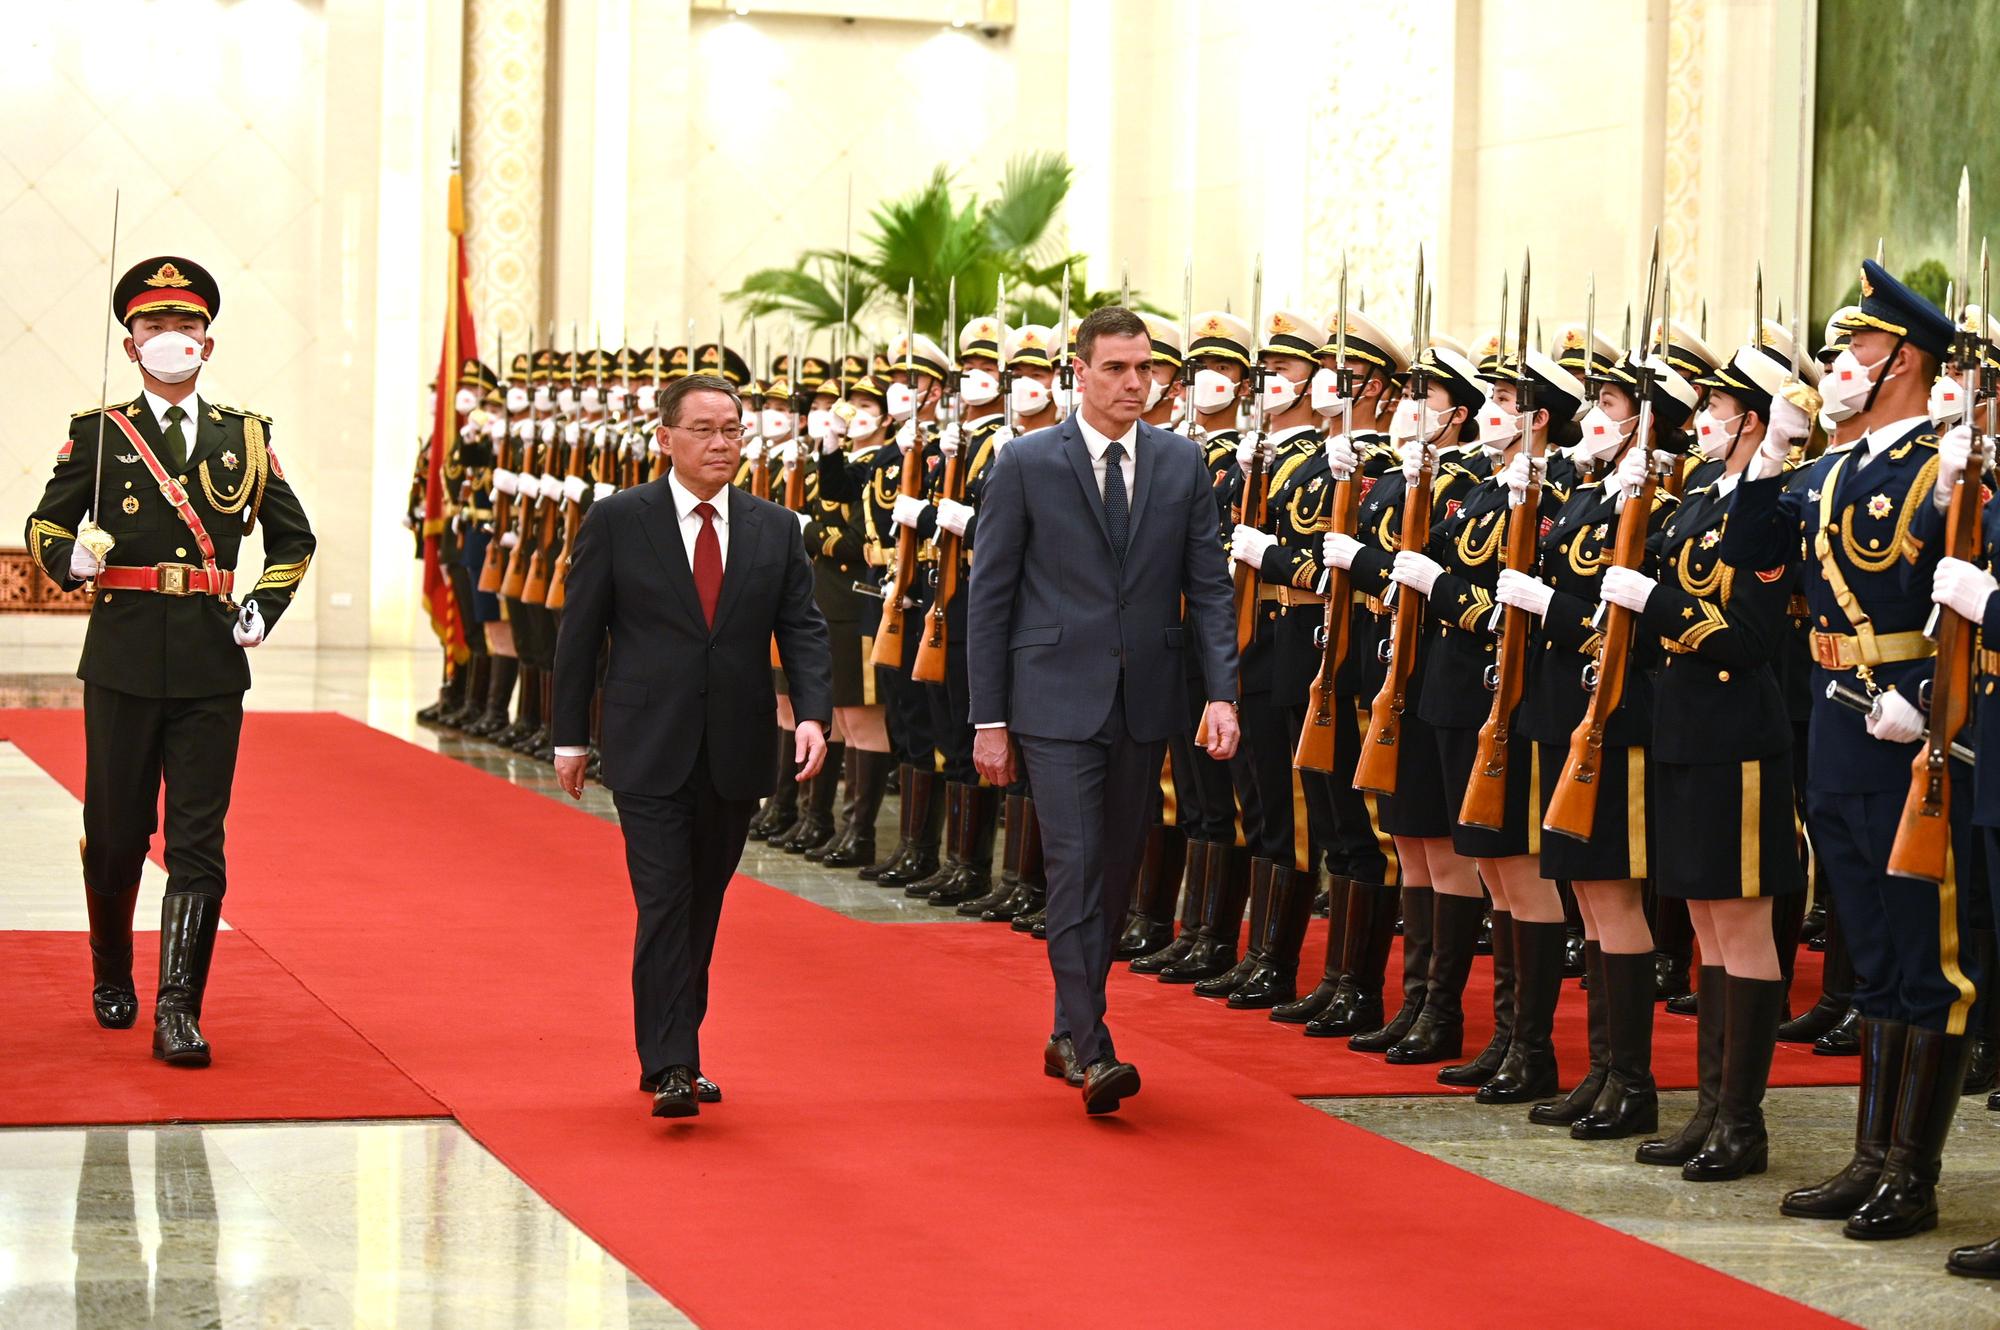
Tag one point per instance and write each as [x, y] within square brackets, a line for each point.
[707, 433]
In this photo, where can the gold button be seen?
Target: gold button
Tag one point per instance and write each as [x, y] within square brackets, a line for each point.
[183, 479]
[1722, 675]
[107, 598]
[180, 553]
[1822, 621]
[128, 484]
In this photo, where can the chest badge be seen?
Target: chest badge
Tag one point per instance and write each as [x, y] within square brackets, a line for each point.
[229, 461]
[1600, 531]
[1812, 496]
[131, 504]
[1709, 539]
[130, 459]
[1879, 506]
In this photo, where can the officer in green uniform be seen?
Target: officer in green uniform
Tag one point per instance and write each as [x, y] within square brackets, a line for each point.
[182, 481]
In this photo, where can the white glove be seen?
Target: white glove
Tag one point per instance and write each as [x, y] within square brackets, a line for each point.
[505, 481]
[1341, 458]
[1002, 437]
[948, 439]
[249, 629]
[573, 433]
[572, 490]
[601, 436]
[1519, 472]
[753, 450]
[509, 539]
[906, 435]
[909, 510]
[603, 490]
[1413, 460]
[1895, 721]
[786, 453]
[1523, 592]
[836, 430]
[549, 430]
[1248, 545]
[1954, 451]
[805, 520]
[83, 565]
[524, 430]
[1246, 449]
[953, 517]
[1788, 427]
[1419, 572]
[1962, 587]
[496, 429]
[551, 486]
[1627, 587]
[1631, 471]
[1339, 550]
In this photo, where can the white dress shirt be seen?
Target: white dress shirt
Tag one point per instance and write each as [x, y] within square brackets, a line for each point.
[685, 500]
[1097, 443]
[1877, 441]
[190, 404]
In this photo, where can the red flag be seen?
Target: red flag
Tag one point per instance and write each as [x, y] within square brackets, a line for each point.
[461, 343]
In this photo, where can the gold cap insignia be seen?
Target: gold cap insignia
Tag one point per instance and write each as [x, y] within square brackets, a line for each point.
[168, 275]
[1867, 287]
[1573, 340]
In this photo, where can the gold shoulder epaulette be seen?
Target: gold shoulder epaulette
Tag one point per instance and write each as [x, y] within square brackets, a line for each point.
[1927, 441]
[240, 411]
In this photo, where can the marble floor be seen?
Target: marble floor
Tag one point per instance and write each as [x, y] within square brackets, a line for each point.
[379, 1224]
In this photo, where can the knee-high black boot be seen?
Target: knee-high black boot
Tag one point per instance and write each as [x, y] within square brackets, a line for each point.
[1597, 999]
[1031, 908]
[1222, 898]
[1438, 1035]
[1882, 1048]
[844, 833]
[1305, 1009]
[1371, 929]
[867, 787]
[187, 944]
[113, 996]
[815, 824]
[1275, 978]
[1417, 916]
[781, 811]
[1710, 1048]
[971, 847]
[1737, 1144]
[923, 825]
[1480, 1070]
[1836, 991]
[499, 689]
[1195, 881]
[1223, 984]
[1150, 924]
[1629, 1103]
[1529, 1071]
[1904, 1201]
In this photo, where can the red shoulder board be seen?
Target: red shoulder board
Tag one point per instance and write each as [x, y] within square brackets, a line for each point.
[1985, 494]
[1548, 525]
[1367, 483]
[1770, 574]
[62, 453]
[1451, 507]
[272, 453]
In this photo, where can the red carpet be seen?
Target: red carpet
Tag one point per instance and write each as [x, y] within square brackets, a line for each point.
[282, 1053]
[890, 1154]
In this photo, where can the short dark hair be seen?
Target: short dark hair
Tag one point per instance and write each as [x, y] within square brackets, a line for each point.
[1111, 321]
[680, 389]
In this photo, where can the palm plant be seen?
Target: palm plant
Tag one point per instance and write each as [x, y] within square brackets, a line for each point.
[929, 237]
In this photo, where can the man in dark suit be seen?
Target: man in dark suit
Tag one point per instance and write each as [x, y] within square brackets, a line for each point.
[692, 578]
[1093, 535]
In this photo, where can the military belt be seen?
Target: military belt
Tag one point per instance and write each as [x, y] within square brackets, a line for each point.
[1289, 596]
[169, 579]
[1989, 662]
[1842, 651]
[1373, 604]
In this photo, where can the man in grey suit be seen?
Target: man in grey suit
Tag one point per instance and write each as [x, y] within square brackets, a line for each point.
[1093, 535]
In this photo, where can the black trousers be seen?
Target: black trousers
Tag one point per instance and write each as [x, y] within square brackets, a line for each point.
[134, 743]
[1344, 833]
[1093, 801]
[1204, 800]
[950, 706]
[680, 850]
[908, 706]
[1262, 770]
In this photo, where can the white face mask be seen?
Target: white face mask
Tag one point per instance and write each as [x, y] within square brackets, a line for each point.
[1404, 424]
[517, 400]
[466, 401]
[1325, 392]
[592, 398]
[775, 425]
[573, 433]
[1065, 400]
[1848, 383]
[1498, 426]
[902, 401]
[648, 396]
[616, 398]
[816, 422]
[1280, 392]
[566, 398]
[1714, 434]
[977, 387]
[1947, 402]
[1213, 390]
[1030, 398]
[1154, 392]
[173, 357]
[542, 399]
[1603, 436]
[864, 424]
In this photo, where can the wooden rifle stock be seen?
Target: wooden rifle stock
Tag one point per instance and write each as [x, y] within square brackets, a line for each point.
[889, 635]
[536, 589]
[493, 569]
[516, 580]
[760, 477]
[795, 500]
[931, 651]
[1315, 750]
[1572, 811]
[1376, 769]
[1253, 508]
[1923, 835]
[572, 518]
[1485, 803]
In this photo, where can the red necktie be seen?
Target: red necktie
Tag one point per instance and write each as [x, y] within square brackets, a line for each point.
[707, 563]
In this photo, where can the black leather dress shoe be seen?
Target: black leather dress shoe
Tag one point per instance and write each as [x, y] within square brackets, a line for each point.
[1981, 1262]
[675, 1097]
[1107, 1083]
[1059, 1061]
[705, 1090]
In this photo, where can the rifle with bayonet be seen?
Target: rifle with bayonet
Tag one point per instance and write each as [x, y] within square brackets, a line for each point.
[889, 634]
[930, 665]
[548, 509]
[493, 567]
[514, 580]
[1253, 503]
[1315, 751]
[795, 470]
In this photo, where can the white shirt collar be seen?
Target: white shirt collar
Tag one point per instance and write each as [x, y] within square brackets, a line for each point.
[160, 406]
[685, 499]
[1875, 440]
[1286, 434]
[1726, 482]
[1097, 443]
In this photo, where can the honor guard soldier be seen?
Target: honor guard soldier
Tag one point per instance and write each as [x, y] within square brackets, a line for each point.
[1867, 520]
[176, 482]
[1219, 350]
[468, 479]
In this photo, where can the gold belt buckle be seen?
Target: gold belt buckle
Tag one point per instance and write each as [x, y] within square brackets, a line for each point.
[1826, 648]
[174, 579]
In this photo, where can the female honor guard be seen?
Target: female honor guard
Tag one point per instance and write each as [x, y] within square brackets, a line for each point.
[1722, 787]
[177, 481]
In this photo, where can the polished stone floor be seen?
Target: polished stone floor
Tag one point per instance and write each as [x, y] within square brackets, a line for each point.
[413, 1223]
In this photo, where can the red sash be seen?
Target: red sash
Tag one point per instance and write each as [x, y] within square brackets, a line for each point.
[173, 491]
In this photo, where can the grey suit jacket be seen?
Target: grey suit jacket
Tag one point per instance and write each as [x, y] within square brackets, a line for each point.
[1053, 619]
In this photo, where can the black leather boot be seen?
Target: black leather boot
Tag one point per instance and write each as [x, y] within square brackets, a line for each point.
[1303, 1009]
[1214, 950]
[1276, 976]
[1673, 947]
[1439, 1032]
[451, 695]
[1222, 984]
[1008, 880]
[1371, 928]
[113, 995]
[1709, 1041]
[1629, 1103]
[844, 834]
[1528, 1071]
[1836, 992]
[924, 825]
[1195, 884]
[1150, 924]
[815, 825]
[187, 944]
[948, 862]
[1904, 1202]
[1737, 1145]
[1416, 929]
[1597, 1008]
[1499, 930]
[527, 715]
[1982, 1072]
[1843, 1040]
[972, 875]
[781, 811]
[471, 703]
[1882, 1048]
[1980, 1262]
[1034, 904]
[1022, 896]
[868, 784]
[499, 690]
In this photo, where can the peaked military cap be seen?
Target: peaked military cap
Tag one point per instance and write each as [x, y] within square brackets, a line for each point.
[1216, 333]
[1029, 345]
[1567, 346]
[474, 373]
[923, 356]
[165, 285]
[1286, 333]
[981, 337]
[712, 359]
[1889, 306]
[1449, 366]
[1367, 341]
[1167, 346]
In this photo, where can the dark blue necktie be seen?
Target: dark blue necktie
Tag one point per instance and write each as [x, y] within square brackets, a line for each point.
[1117, 513]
